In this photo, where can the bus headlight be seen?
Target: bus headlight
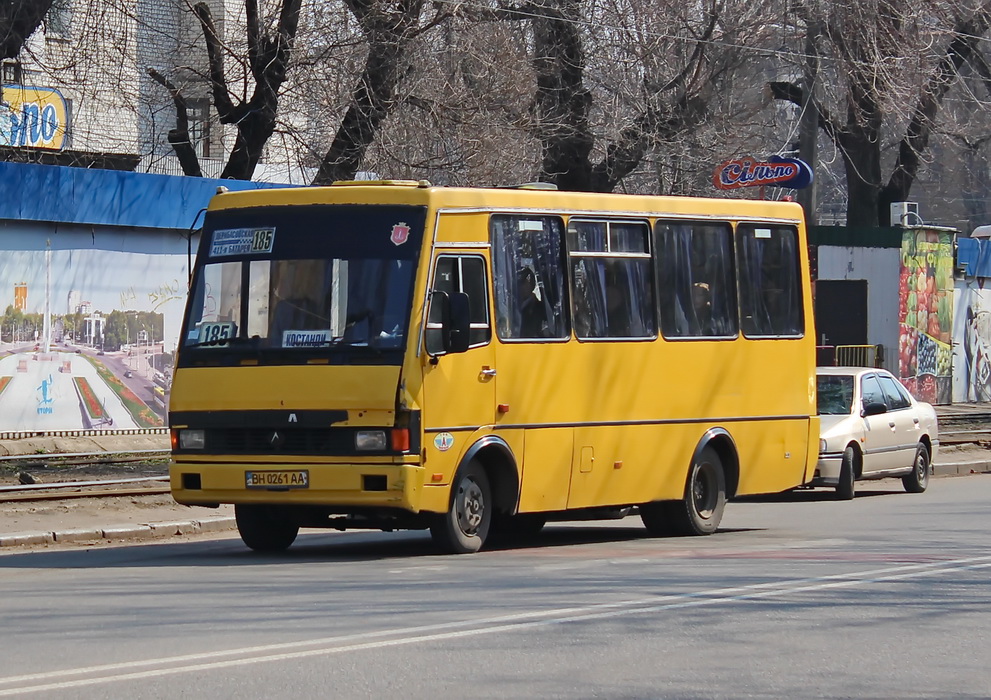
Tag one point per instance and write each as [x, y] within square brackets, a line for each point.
[192, 439]
[370, 440]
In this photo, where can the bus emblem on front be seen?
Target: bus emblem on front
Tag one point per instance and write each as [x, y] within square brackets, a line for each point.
[400, 232]
[292, 418]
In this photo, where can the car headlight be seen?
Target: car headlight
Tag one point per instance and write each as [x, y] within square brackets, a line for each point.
[822, 446]
[192, 439]
[369, 440]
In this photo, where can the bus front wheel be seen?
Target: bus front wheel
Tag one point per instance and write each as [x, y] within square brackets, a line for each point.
[464, 527]
[264, 528]
[701, 509]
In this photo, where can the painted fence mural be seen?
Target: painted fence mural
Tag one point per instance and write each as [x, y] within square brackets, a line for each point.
[103, 358]
[925, 313]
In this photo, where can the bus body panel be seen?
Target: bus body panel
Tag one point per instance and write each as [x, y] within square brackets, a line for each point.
[356, 389]
[588, 423]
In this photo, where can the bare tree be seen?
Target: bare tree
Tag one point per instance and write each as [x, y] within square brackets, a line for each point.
[883, 62]
[265, 62]
[390, 28]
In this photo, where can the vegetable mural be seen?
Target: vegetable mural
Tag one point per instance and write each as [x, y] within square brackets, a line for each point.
[925, 314]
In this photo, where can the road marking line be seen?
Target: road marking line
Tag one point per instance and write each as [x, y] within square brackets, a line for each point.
[493, 625]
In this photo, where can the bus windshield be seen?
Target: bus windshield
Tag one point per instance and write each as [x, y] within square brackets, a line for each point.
[289, 286]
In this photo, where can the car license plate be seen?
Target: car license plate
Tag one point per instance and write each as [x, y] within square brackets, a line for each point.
[284, 479]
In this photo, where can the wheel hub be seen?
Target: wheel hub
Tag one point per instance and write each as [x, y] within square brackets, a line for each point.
[471, 507]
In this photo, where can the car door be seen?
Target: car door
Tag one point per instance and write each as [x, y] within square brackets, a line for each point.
[881, 442]
[905, 419]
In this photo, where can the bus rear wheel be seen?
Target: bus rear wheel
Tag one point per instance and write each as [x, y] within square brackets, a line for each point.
[265, 528]
[465, 526]
[700, 511]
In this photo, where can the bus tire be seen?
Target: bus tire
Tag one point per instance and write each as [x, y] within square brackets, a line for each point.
[465, 526]
[264, 528]
[700, 511]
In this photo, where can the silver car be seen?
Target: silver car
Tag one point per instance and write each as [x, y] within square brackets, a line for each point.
[871, 428]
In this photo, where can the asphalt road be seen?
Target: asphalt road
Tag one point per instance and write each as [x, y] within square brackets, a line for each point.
[885, 596]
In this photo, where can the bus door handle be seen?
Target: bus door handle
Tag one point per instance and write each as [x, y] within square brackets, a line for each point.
[488, 371]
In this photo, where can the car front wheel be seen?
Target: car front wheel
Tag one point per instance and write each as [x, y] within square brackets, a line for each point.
[918, 480]
[848, 475]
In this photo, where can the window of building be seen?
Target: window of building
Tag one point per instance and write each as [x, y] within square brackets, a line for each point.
[770, 284]
[612, 288]
[460, 273]
[696, 280]
[58, 21]
[530, 279]
[198, 114]
[12, 73]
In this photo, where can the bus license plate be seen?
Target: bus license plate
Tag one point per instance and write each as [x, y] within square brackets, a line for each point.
[284, 479]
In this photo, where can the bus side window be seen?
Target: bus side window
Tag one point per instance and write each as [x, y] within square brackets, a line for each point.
[611, 276]
[770, 284]
[530, 279]
[460, 273]
[696, 282]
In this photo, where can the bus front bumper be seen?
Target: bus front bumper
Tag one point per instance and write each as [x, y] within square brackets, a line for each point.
[337, 486]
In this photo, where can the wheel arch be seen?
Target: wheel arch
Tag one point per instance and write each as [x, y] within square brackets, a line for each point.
[722, 442]
[497, 459]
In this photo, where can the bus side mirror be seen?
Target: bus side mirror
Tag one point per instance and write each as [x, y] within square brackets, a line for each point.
[457, 321]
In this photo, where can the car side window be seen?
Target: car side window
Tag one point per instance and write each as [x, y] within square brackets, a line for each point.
[894, 398]
[870, 390]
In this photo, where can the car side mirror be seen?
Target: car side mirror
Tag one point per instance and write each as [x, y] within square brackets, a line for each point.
[874, 408]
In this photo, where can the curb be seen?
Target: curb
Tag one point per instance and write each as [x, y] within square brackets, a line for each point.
[145, 531]
[961, 468]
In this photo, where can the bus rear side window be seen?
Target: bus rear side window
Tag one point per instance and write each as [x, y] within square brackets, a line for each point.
[770, 284]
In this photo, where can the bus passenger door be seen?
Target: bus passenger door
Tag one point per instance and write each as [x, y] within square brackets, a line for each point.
[459, 387]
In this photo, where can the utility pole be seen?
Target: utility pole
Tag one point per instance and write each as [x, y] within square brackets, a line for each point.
[808, 135]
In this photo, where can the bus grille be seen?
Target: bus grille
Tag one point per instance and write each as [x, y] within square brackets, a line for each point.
[296, 441]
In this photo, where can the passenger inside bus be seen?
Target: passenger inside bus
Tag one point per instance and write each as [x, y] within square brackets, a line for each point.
[533, 318]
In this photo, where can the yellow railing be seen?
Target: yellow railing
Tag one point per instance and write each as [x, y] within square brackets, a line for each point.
[859, 355]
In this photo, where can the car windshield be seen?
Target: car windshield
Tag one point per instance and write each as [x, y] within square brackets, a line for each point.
[835, 394]
[299, 283]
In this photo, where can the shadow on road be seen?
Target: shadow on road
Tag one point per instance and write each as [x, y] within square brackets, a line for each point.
[328, 546]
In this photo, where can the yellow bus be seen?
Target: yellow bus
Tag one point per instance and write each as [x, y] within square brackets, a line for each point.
[394, 355]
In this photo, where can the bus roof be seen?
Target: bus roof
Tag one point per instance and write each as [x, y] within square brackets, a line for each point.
[531, 197]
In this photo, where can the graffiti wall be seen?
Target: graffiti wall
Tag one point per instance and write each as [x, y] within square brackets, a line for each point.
[925, 312]
[972, 349]
[88, 329]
